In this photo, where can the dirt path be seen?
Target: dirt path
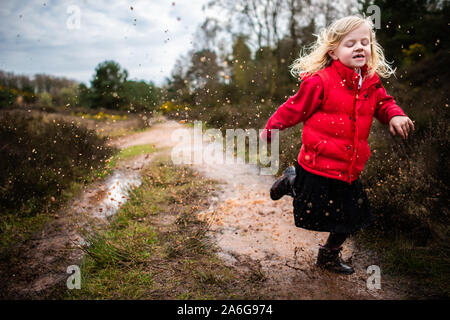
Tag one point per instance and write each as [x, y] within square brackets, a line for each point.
[247, 224]
[40, 264]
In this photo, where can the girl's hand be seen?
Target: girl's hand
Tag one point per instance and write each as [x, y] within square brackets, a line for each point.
[402, 125]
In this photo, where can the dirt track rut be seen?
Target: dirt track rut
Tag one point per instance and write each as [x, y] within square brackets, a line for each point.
[248, 225]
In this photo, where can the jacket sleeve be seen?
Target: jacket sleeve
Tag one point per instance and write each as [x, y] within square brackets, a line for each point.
[297, 108]
[386, 107]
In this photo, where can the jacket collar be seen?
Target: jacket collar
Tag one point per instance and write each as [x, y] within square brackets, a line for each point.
[350, 76]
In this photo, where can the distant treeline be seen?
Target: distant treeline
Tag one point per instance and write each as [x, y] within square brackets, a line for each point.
[110, 89]
[39, 83]
[30, 89]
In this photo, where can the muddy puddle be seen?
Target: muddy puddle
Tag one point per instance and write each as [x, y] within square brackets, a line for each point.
[116, 191]
[49, 254]
[248, 227]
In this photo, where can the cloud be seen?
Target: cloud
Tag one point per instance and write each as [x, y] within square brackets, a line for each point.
[36, 36]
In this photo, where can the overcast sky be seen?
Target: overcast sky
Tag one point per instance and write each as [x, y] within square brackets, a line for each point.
[70, 38]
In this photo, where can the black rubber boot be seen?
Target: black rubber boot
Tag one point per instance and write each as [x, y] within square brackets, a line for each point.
[284, 185]
[330, 259]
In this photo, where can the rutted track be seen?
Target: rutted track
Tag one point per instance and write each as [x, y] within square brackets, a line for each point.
[248, 225]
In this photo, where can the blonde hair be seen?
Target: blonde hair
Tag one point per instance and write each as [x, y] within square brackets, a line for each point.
[315, 57]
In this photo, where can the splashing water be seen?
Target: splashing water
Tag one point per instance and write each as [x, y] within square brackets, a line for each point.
[117, 190]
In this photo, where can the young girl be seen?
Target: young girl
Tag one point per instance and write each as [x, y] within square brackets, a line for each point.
[340, 94]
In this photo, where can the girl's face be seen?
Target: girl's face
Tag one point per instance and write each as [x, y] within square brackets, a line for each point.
[354, 50]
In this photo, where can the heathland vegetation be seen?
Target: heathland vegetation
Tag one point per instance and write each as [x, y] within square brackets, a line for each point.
[54, 131]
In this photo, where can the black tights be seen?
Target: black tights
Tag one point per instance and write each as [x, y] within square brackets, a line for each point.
[335, 240]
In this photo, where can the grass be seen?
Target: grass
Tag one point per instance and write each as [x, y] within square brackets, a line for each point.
[111, 125]
[19, 222]
[44, 164]
[16, 228]
[426, 268]
[157, 248]
[122, 155]
[121, 131]
[135, 150]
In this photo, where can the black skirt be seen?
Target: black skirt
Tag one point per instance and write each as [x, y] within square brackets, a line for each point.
[325, 204]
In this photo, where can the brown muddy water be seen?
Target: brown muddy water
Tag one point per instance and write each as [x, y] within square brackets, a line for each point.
[248, 228]
[251, 229]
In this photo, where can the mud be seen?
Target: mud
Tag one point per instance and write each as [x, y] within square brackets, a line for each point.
[247, 226]
[43, 260]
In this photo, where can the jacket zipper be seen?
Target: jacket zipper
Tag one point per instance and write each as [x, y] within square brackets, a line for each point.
[355, 137]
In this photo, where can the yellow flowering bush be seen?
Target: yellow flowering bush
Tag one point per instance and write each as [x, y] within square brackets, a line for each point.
[101, 116]
[414, 53]
[169, 106]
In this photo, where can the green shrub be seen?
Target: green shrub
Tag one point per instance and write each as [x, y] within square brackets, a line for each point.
[7, 97]
[45, 99]
[67, 96]
[414, 53]
[408, 181]
[40, 159]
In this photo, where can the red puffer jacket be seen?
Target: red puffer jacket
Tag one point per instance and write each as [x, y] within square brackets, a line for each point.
[337, 119]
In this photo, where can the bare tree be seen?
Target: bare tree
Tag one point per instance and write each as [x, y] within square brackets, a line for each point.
[206, 34]
[259, 18]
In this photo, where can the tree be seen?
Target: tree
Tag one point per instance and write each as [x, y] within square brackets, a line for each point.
[7, 97]
[265, 78]
[416, 23]
[206, 34]
[139, 95]
[107, 84]
[203, 74]
[260, 19]
[178, 85]
[242, 70]
[45, 99]
[66, 95]
[84, 96]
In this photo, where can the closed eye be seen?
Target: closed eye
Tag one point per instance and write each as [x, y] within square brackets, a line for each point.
[351, 43]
